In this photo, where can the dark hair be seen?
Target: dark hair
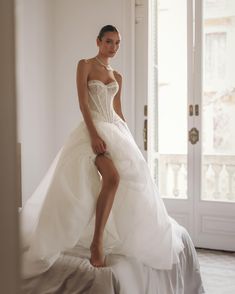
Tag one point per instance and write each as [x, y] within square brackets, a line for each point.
[105, 29]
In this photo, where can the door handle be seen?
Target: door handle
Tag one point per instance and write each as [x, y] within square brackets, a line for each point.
[145, 134]
[191, 112]
[193, 136]
[197, 110]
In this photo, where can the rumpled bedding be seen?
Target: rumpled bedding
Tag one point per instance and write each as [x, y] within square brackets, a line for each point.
[72, 273]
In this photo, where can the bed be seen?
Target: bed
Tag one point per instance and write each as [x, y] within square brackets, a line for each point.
[72, 273]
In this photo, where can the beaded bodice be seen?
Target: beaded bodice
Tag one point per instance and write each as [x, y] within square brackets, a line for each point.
[101, 100]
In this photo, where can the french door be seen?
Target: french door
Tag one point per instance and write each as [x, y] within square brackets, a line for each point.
[187, 76]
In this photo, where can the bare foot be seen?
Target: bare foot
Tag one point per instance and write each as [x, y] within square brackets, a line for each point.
[97, 259]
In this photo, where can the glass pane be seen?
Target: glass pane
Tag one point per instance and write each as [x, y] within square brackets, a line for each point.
[218, 170]
[168, 98]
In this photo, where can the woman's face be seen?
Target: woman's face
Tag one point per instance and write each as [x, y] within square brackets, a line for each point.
[109, 44]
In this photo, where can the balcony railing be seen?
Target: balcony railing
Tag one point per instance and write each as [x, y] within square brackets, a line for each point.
[218, 176]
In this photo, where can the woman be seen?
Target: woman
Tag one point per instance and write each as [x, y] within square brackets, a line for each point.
[98, 193]
[97, 69]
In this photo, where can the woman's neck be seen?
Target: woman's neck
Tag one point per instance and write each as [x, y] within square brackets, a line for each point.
[103, 59]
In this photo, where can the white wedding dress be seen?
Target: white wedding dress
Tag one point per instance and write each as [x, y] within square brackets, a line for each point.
[61, 212]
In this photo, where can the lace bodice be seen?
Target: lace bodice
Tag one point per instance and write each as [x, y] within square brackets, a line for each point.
[101, 100]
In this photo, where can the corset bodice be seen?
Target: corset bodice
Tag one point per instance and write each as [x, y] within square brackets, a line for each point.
[101, 100]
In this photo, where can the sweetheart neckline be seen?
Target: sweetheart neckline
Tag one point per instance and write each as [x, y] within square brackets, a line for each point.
[93, 80]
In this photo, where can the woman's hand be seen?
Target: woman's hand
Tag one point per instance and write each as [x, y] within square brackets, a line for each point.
[98, 145]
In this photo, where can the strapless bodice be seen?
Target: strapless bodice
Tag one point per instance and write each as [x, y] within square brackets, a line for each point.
[101, 100]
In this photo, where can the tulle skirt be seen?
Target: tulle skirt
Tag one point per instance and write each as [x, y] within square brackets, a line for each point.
[60, 214]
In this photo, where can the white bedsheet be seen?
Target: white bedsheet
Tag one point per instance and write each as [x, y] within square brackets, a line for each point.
[72, 273]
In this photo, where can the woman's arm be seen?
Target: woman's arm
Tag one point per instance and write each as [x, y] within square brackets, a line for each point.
[98, 145]
[117, 99]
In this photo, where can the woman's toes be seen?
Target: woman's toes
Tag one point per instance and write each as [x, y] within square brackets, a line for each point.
[97, 258]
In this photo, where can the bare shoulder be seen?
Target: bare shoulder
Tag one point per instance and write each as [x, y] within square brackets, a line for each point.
[84, 63]
[83, 70]
[118, 76]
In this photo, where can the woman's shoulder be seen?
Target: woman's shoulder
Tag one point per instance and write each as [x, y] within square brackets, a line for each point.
[117, 75]
[84, 61]
[84, 66]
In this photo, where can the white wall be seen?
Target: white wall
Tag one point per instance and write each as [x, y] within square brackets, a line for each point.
[35, 90]
[51, 37]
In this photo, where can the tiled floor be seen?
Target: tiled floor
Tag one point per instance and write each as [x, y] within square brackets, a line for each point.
[218, 271]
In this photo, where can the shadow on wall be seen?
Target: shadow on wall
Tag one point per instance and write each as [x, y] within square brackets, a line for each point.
[9, 245]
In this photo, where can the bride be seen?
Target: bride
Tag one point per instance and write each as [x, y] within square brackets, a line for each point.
[98, 192]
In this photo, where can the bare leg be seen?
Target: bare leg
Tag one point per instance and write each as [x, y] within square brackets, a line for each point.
[110, 181]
